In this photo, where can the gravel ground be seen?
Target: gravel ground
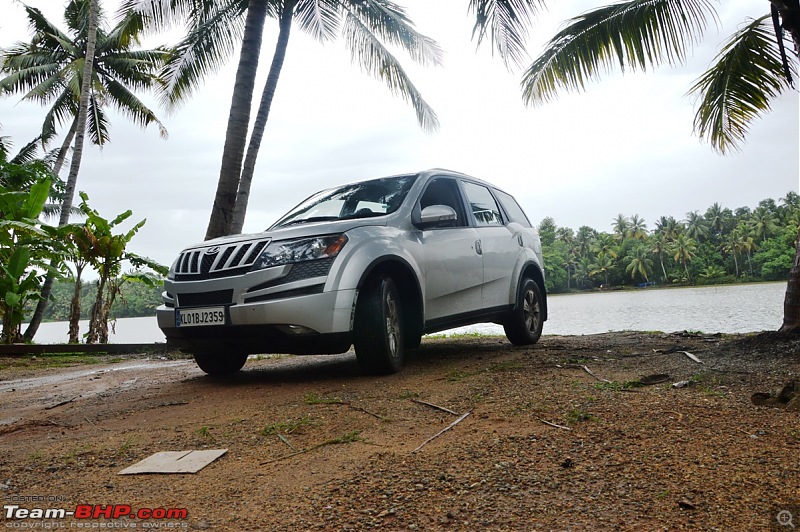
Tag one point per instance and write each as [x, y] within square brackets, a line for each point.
[575, 433]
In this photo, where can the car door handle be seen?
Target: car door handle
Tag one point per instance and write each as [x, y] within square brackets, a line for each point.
[519, 239]
[478, 248]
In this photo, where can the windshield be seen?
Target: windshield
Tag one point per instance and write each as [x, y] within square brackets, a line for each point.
[358, 200]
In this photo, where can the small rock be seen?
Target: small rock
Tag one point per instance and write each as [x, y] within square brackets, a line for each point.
[686, 505]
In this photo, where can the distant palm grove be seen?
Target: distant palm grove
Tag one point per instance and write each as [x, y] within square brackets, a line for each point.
[718, 246]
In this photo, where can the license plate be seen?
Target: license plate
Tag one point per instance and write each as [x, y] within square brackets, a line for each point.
[193, 317]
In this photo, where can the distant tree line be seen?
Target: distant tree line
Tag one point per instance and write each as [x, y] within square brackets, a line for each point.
[719, 246]
[133, 300]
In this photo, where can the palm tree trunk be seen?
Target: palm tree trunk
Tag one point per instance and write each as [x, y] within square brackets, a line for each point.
[791, 302]
[219, 224]
[790, 19]
[62, 152]
[75, 165]
[75, 308]
[262, 116]
[95, 319]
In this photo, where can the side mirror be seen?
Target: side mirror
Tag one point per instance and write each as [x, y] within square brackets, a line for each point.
[436, 215]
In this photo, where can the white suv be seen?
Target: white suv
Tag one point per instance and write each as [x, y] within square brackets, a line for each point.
[374, 264]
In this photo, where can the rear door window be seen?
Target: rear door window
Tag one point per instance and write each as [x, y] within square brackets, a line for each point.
[485, 211]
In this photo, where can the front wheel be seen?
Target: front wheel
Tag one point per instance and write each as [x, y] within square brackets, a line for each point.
[524, 327]
[378, 327]
[220, 364]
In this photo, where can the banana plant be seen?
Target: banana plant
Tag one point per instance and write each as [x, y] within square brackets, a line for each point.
[106, 253]
[26, 246]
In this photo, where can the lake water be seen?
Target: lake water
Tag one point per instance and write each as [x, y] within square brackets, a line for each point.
[726, 309]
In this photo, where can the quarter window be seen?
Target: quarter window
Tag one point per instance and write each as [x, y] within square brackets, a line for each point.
[484, 208]
[513, 210]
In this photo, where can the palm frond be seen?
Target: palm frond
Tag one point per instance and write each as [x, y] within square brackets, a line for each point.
[747, 74]
[37, 81]
[318, 18]
[48, 35]
[204, 49]
[76, 15]
[97, 122]
[375, 59]
[126, 32]
[165, 14]
[131, 106]
[506, 22]
[391, 24]
[62, 111]
[631, 35]
[134, 68]
[28, 153]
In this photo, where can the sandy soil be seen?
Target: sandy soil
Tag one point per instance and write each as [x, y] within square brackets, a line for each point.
[560, 436]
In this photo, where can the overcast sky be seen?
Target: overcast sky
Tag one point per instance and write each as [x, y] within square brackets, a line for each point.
[624, 146]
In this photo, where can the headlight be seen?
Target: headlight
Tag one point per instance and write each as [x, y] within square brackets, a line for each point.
[283, 252]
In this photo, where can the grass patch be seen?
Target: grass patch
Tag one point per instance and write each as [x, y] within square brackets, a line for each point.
[349, 437]
[292, 426]
[313, 399]
[511, 365]
[575, 415]
[56, 360]
[458, 375]
[615, 386]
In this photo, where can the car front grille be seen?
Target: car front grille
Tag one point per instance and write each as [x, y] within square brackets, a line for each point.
[200, 299]
[218, 261]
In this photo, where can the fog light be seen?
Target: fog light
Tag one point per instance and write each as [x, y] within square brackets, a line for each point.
[296, 329]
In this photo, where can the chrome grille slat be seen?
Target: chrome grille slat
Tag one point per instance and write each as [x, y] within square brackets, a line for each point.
[216, 261]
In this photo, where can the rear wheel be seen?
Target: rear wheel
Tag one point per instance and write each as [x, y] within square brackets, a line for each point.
[378, 327]
[524, 327]
[220, 364]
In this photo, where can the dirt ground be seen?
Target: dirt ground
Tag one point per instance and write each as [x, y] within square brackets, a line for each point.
[564, 435]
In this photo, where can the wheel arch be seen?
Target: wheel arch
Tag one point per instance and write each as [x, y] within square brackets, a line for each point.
[409, 291]
[533, 271]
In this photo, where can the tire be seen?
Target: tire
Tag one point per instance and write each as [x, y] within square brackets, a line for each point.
[524, 327]
[378, 328]
[220, 364]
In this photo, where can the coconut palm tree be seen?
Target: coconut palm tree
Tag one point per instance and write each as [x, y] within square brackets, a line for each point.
[638, 228]
[763, 223]
[683, 249]
[602, 264]
[367, 26]
[81, 72]
[718, 219]
[48, 70]
[217, 28]
[659, 245]
[584, 239]
[621, 226]
[640, 263]
[604, 245]
[734, 244]
[669, 227]
[696, 226]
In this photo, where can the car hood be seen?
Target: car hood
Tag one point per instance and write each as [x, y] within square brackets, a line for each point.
[295, 231]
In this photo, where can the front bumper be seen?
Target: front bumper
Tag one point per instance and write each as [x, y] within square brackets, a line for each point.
[315, 323]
